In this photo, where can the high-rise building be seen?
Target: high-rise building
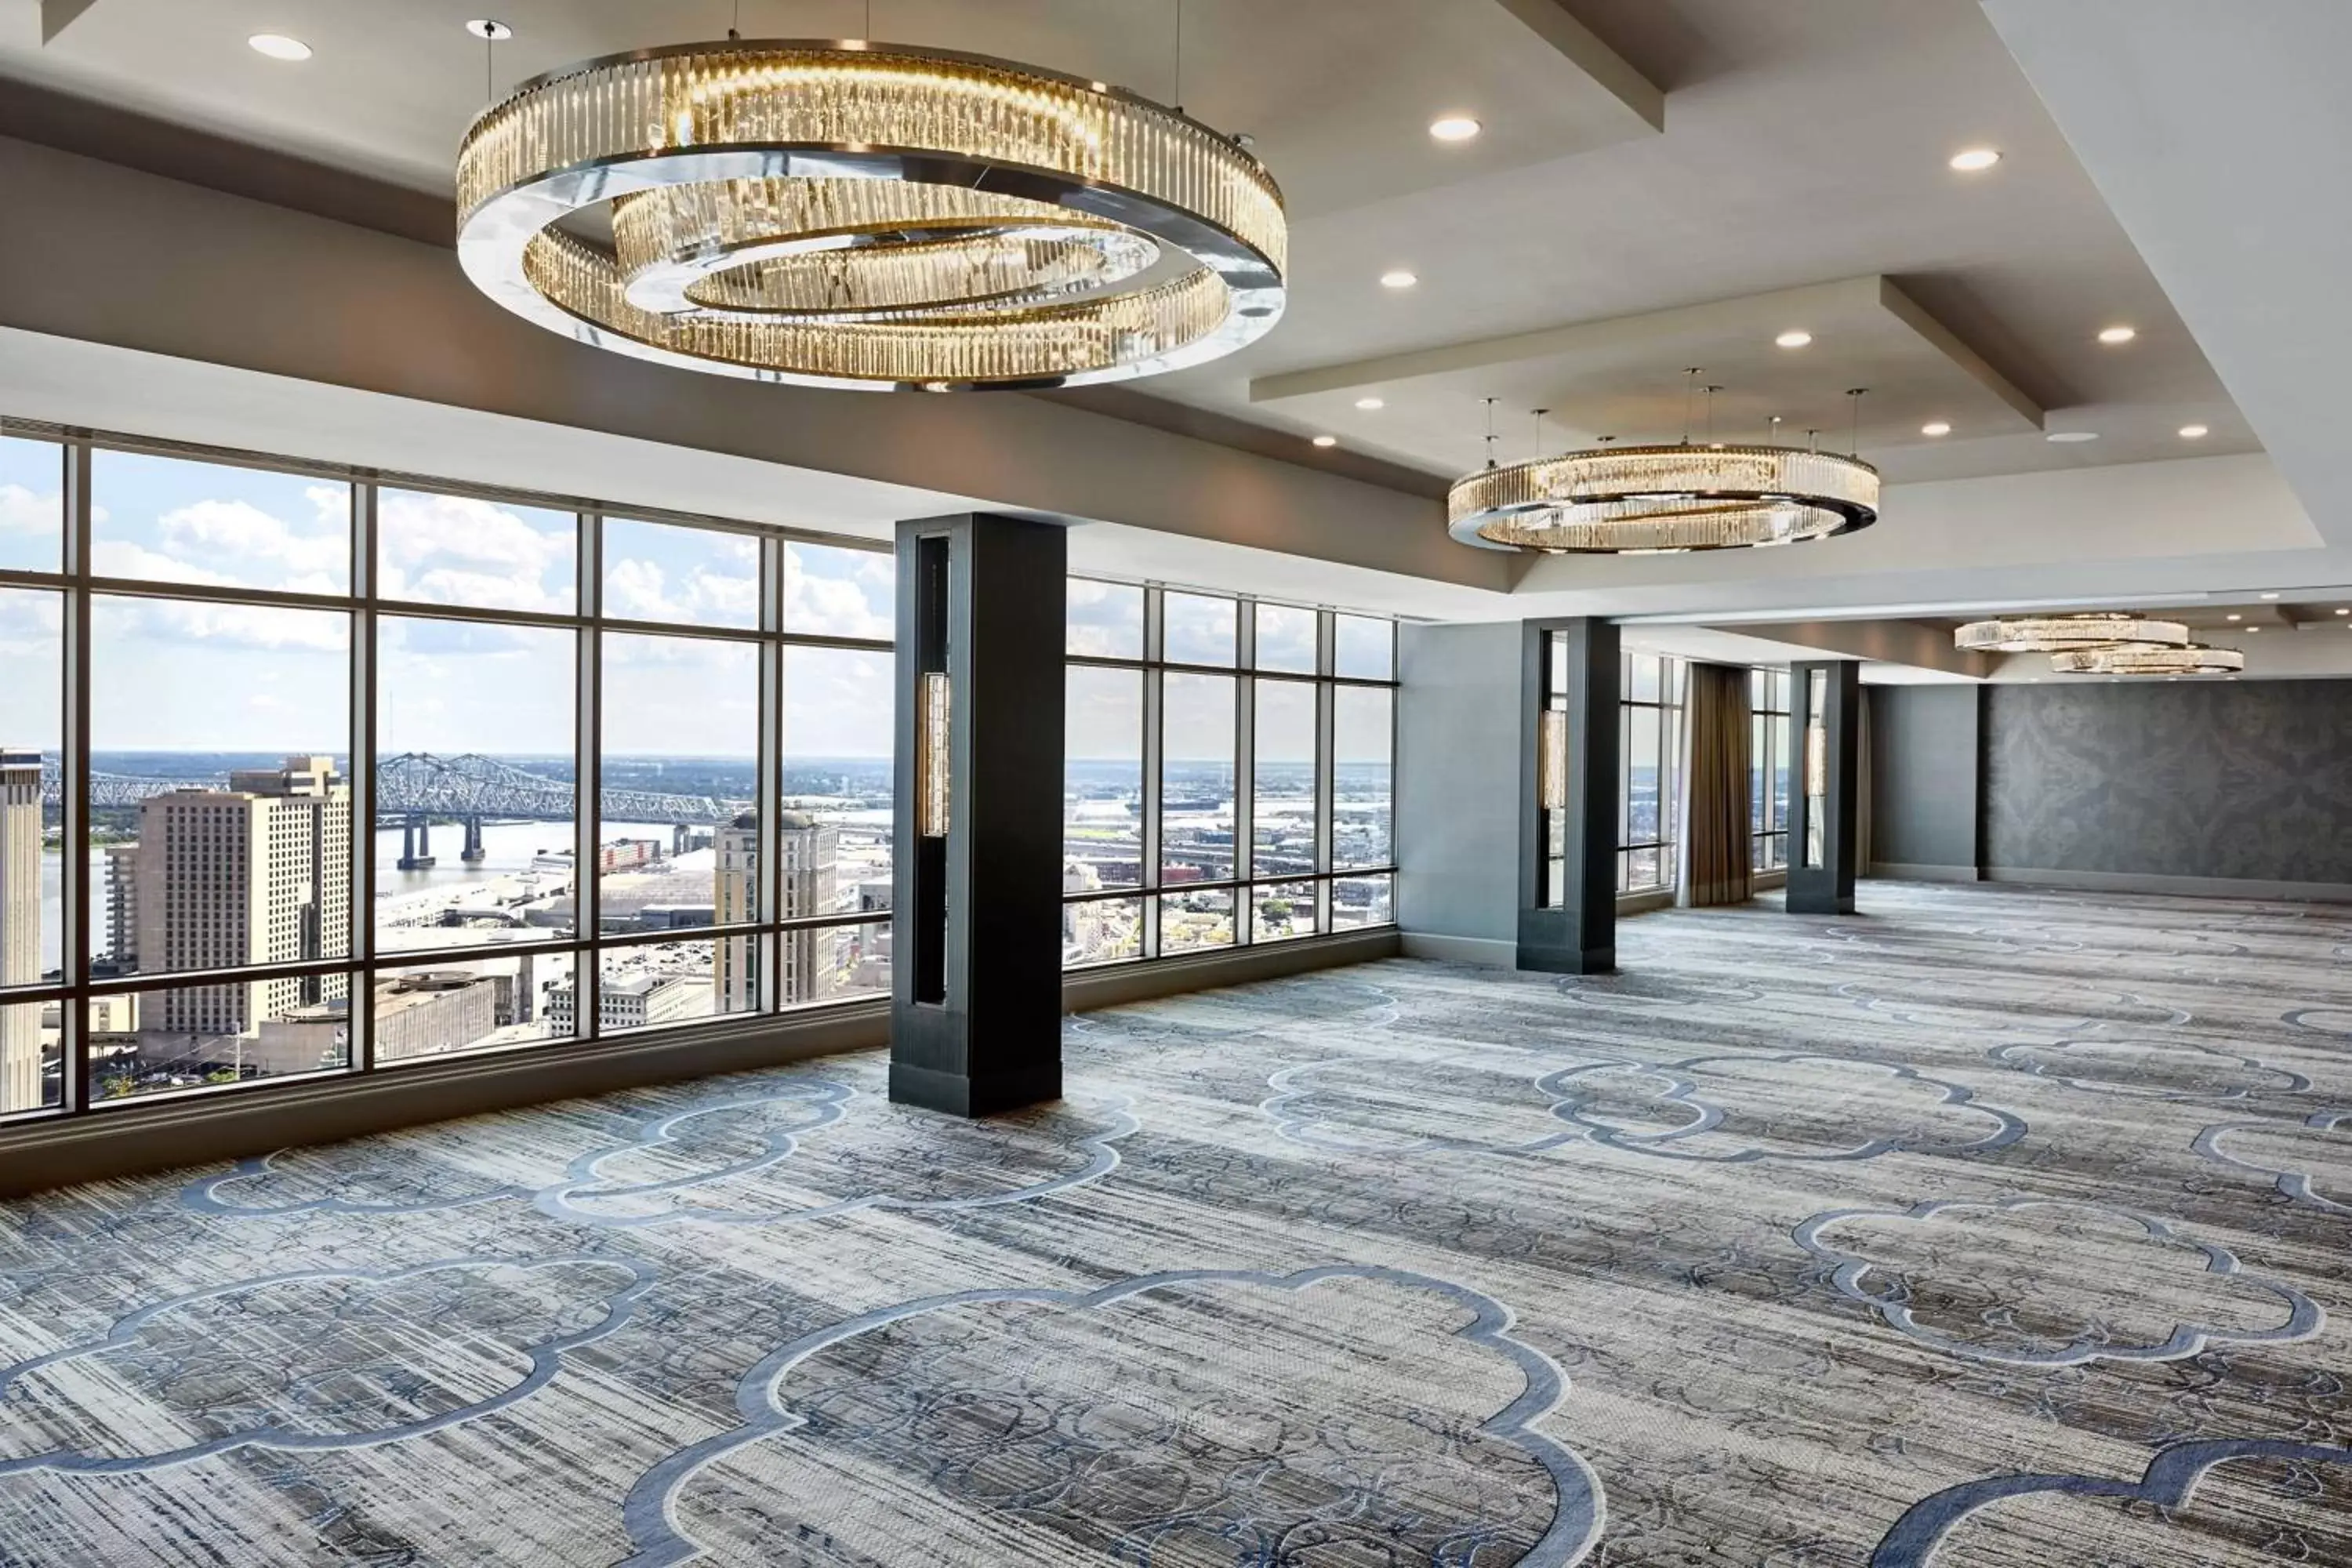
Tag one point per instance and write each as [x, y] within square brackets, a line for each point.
[122, 905]
[257, 873]
[20, 926]
[810, 853]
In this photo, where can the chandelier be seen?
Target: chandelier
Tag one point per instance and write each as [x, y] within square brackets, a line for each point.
[869, 215]
[2058, 633]
[1663, 499]
[2193, 659]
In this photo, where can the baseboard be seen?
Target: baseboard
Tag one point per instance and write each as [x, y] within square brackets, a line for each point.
[1904, 871]
[1492, 953]
[131, 1140]
[1116, 984]
[1643, 903]
[2177, 886]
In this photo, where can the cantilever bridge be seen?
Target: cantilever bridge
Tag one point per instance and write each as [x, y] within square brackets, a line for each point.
[419, 786]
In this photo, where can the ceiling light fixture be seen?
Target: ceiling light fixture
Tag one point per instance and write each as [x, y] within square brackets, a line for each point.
[279, 47]
[489, 29]
[2194, 659]
[2055, 633]
[2193, 432]
[1326, 440]
[1370, 405]
[1793, 339]
[837, 216]
[2117, 334]
[1399, 279]
[2272, 594]
[1934, 428]
[2234, 617]
[1665, 499]
[2070, 437]
[1454, 127]
[1974, 160]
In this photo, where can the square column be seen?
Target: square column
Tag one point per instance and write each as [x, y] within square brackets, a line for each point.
[1568, 676]
[1825, 731]
[976, 932]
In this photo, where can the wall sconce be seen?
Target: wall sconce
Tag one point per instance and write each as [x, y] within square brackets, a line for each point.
[1551, 760]
[1817, 762]
[931, 808]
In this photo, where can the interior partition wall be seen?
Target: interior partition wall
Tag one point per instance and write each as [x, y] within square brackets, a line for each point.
[1230, 772]
[310, 772]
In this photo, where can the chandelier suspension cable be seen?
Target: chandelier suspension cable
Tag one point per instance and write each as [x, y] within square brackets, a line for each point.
[1856, 393]
[1176, 97]
[1690, 385]
[1710, 414]
[1540, 437]
[1490, 433]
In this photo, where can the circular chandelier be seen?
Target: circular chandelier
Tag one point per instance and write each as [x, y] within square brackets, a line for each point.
[1637, 499]
[2059, 634]
[2194, 659]
[869, 215]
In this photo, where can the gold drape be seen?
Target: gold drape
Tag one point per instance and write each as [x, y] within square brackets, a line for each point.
[1718, 756]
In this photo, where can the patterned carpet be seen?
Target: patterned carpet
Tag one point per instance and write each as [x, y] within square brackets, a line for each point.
[1986, 1229]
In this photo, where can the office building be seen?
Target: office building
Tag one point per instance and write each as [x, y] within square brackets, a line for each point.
[1447, 783]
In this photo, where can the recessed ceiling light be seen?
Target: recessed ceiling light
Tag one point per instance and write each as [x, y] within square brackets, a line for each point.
[1974, 160]
[2117, 334]
[1455, 128]
[279, 47]
[1370, 405]
[2270, 595]
[1934, 428]
[2068, 437]
[1326, 440]
[2235, 616]
[1793, 339]
[2251, 630]
[1399, 279]
[491, 30]
[2192, 432]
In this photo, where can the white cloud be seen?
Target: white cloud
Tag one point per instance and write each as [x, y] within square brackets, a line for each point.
[460, 550]
[25, 511]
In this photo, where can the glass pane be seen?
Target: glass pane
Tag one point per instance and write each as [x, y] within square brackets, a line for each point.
[653, 985]
[32, 732]
[681, 735]
[1191, 921]
[171, 519]
[1360, 901]
[1199, 630]
[1106, 619]
[218, 747]
[840, 593]
[1643, 685]
[475, 787]
[1101, 930]
[214, 1037]
[478, 1004]
[31, 1057]
[32, 504]
[1758, 740]
[1285, 639]
[1363, 646]
[1281, 910]
[681, 577]
[1282, 795]
[1642, 869]
[1642, 821]
[1102, 780]
[464, 550]
[1196, 779]
[835, 964]
[838, 741]
[1363, 801]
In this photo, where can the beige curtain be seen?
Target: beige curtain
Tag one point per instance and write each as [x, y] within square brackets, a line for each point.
[1713, 854]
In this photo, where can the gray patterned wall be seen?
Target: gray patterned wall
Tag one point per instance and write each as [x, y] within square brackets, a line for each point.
[2247, 780]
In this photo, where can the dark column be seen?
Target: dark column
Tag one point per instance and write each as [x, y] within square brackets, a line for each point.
[1824, 810]
[976, 938]
[416, 844]
[1567, 796]
[473, 853]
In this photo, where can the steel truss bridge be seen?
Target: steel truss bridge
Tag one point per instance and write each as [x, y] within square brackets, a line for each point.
[418, 787]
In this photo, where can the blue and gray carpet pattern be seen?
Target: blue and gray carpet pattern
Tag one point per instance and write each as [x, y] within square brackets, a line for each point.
[1986, 1229]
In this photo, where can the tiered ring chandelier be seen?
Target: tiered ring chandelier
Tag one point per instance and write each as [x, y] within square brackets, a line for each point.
[1663, 499]
[2063, 634]
[869, 215]
[2192, 659]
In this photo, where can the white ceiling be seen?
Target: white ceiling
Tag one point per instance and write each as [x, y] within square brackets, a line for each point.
[1663, 182]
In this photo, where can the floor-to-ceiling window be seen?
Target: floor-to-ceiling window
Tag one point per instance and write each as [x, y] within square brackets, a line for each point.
[1649, 782]
[1768, 787]
[307, 770]
[1228, 772]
